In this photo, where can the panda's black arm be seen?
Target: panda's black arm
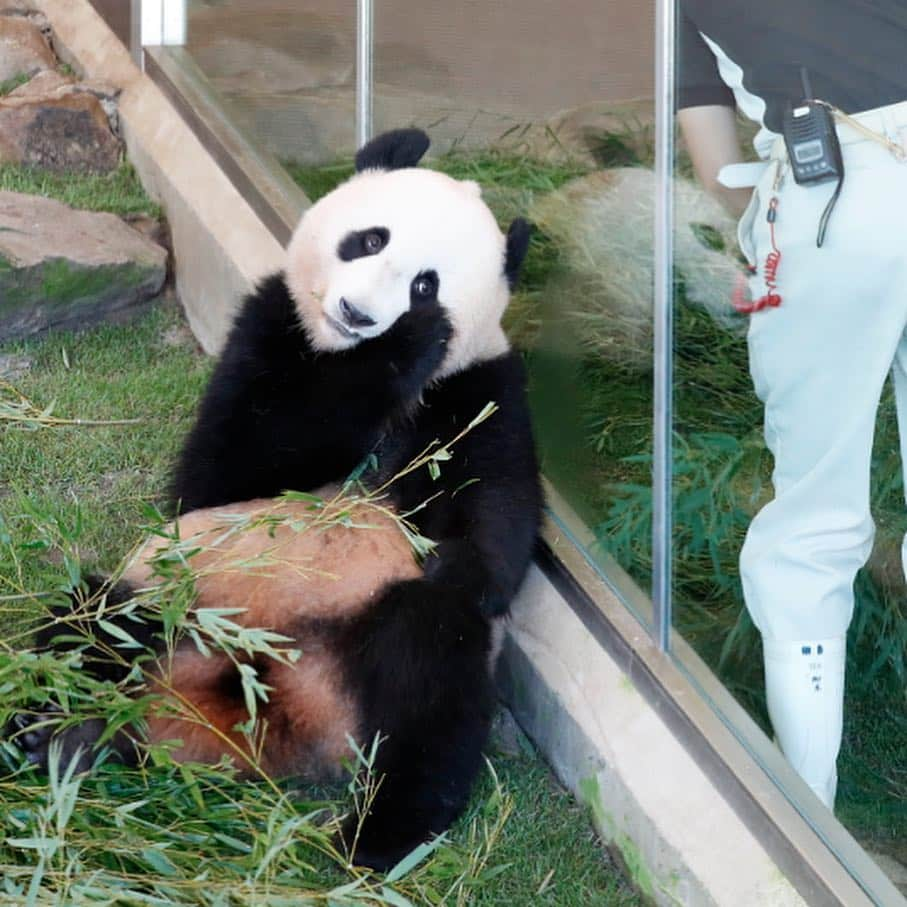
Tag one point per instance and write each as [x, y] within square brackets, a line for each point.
[277, 415]
[487, 520]
[421, 657]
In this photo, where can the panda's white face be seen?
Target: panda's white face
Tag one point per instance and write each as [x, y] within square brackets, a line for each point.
[388, 240]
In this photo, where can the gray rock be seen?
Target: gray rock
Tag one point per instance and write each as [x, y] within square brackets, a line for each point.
[108, 97]
[23, 10]
[32, 16]
[154, 229]
[23, 50]
[60, 267]
[64, 131]
[53, 85]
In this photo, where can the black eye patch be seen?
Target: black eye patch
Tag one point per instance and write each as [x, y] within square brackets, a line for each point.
[362, 243]
[424, 287]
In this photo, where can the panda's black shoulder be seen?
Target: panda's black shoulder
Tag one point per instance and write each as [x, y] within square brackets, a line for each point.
[501, 380]
[267, 320]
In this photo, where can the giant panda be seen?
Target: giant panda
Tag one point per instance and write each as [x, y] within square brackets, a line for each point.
[381, 336]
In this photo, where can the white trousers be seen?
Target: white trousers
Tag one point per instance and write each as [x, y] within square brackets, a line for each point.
[818, 363]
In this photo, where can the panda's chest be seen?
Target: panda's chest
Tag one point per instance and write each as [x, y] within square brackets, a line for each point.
[394, 451]
[402, 460]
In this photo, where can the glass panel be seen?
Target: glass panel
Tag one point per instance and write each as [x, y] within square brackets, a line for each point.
[564, 137]
[779, 370]
[560, 137]
[286, 68]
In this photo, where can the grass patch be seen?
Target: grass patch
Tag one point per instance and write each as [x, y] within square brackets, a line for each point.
[104, 475]
[317, 180]
[167, 834]
[11, 84]
[119, 191]
[551, 854]
[493, 169]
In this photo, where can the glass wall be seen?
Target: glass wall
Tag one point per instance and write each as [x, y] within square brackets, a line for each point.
[565, 140]
[560, 137]
[783, 344]
[553, 111]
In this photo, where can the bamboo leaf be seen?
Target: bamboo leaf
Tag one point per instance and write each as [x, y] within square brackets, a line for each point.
[413, 859]
[126, 640]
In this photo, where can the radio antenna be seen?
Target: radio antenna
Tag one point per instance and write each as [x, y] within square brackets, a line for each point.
[804, 81]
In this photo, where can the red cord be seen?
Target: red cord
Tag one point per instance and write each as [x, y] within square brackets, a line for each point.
[772, 299]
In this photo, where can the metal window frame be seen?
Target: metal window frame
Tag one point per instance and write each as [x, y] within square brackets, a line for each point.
[365, 44]
[663, 325]
[163, 22]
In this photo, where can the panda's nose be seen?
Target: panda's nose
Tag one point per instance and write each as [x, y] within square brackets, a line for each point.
[353, 316]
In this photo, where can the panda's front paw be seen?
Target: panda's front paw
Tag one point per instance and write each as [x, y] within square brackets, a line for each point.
[34, 732]
[32, 737]
[419, 342]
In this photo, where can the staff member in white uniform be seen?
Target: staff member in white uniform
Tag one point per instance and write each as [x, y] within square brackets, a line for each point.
[827, 325]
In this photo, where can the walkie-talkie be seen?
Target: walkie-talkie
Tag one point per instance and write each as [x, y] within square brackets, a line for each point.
[812, 143]
[811, 139]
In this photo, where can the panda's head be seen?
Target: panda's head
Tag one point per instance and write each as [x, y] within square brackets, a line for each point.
[394, 237]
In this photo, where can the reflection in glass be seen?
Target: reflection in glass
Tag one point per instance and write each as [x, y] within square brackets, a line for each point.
[558, 137]
[286, 68]
[785, 478]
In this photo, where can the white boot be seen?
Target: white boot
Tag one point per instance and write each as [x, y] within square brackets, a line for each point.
[804, 686]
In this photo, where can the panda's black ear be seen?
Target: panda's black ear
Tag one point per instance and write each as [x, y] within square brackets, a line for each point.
[518, 235]
[393, 150]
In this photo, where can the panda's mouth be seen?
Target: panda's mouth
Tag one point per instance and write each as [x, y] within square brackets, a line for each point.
[341, 329]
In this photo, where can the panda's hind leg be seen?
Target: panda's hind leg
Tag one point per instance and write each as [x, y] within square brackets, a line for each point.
[420, 659]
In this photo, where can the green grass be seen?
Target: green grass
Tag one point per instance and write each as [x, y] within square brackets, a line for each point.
[149, 371]
[318, 180]
[8, 85]
[494, 170]
[552, 855]
[79, 493]
[119, 192]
